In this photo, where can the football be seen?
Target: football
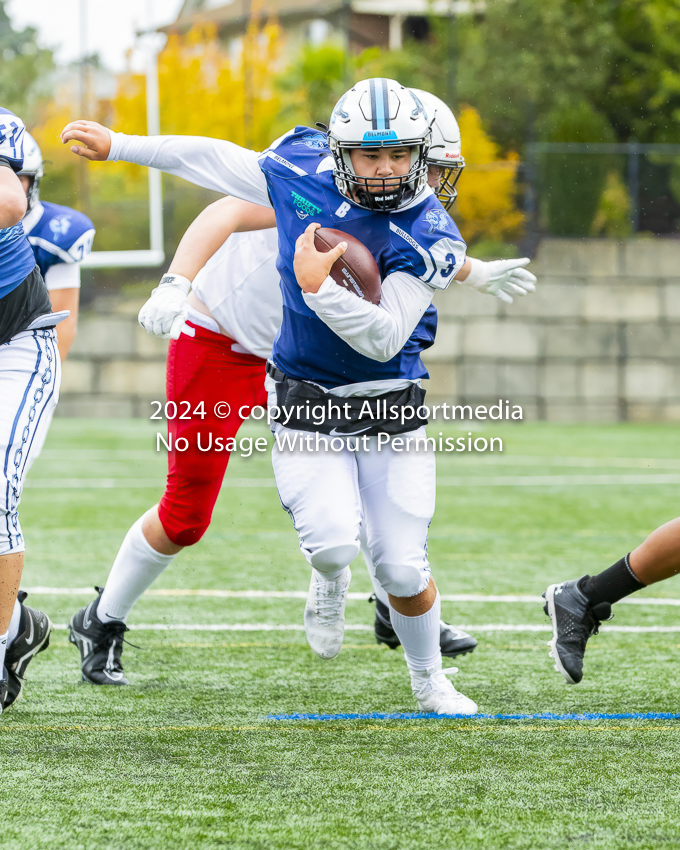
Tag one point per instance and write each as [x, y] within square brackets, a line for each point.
[356, 270]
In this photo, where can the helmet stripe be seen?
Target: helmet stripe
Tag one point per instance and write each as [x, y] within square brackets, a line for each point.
[379, 105]
[371, 88]
[386, 104]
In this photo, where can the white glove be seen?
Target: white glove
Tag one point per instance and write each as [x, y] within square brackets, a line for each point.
[165, 312]
[502, 278]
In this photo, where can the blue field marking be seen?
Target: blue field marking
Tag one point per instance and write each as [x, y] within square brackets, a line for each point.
[416, 715]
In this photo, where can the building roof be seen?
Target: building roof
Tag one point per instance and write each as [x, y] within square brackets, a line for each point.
[235, 14]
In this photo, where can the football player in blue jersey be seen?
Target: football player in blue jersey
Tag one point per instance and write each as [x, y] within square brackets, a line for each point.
[61, 238]
[368, 177]
[30, 372]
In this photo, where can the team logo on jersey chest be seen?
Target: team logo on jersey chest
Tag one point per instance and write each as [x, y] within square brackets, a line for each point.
[303, 207]
[60, 225]
[437, 219]
[316, 142]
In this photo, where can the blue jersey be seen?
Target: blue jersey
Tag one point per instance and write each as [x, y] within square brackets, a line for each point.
[420, 240]
[16, 257]
[58, 235]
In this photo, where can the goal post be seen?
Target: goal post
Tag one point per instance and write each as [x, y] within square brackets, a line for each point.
[152, 44]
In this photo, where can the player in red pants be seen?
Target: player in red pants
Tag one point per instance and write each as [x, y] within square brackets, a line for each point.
[203, 370]
[218, 354]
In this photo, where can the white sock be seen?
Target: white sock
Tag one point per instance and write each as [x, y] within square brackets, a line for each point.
[13, 631]
[135, 569]
[420, 636]
[3, 650]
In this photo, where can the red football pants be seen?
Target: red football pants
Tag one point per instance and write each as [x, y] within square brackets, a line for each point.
[203, 368]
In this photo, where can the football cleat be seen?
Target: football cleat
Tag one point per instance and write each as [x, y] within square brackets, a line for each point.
[453, 642]
[100, 645]
[325, 613]
[33, 637]
[574, 620]
[436, 695]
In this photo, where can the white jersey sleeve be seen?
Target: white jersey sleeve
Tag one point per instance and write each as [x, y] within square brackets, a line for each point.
[211, 163]
[378, 332]
[63, 276]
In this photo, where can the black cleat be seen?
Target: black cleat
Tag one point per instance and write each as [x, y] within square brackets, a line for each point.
[33, 637]
[100, 645]
[453, 642]
[574, 620]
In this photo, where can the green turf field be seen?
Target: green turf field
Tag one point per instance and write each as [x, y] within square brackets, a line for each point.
[186, 757]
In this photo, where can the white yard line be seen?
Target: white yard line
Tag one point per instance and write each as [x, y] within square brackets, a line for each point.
[480, 459]
[269, 627]
[302, 594]
[468, 481]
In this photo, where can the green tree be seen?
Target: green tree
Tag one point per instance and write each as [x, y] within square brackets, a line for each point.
[23, 70]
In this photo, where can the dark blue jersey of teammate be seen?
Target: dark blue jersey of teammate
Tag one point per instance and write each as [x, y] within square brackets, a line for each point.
[16, 257]
[420, 240]
[58, 235]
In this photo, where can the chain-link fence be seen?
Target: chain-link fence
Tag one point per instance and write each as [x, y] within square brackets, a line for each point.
[606, 190]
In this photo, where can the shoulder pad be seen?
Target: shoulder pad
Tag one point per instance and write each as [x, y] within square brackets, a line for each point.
[296, 153]
[429, 237]
[65, 232]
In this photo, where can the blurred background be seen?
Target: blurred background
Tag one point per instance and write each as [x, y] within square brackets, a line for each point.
[569, 114]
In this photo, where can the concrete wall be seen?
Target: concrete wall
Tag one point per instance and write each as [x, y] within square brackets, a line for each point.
[598, 341]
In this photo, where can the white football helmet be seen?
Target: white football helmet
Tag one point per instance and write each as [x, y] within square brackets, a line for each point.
[33, 168]
[445, 149]
[379, 113]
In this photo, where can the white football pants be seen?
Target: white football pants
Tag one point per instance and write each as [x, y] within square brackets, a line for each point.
[329, 495]
[30, 375]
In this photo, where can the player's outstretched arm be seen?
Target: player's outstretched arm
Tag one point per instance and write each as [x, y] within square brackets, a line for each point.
[12, 197]
[164, 313]
[500, 278]
[211, 163]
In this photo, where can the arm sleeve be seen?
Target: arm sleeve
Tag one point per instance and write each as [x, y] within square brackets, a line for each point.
[210, 163]
[63, 276]
[378, 332]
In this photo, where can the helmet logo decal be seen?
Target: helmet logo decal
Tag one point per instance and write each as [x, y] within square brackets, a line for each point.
[437, 219]
[303, 207]
[339, 112]
[60, 225]
[419, 106]
[317, 142]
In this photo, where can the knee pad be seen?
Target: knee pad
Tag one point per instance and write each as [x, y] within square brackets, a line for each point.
[183, 531]
[402, 580]
[329, 559]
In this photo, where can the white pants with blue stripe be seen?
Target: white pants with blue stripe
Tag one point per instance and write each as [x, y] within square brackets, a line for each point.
[30, 374]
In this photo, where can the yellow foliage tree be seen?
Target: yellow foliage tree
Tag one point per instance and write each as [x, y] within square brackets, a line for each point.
[204, 93]
[486, 207]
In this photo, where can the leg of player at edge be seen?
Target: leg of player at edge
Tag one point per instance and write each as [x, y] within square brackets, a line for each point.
[578, 607]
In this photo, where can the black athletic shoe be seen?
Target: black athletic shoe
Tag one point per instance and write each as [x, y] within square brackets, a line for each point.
[100, 645]
[574, 620]
[453, 642]
[33, 637]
